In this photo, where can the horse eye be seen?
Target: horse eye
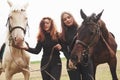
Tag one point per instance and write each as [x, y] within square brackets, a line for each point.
[22, 9]
[26, 18]
[10, 17]
[92, 32]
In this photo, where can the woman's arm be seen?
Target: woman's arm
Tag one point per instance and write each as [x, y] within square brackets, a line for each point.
[35, 50]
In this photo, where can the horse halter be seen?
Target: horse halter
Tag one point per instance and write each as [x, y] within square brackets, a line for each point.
[86, 46]
[12, 29]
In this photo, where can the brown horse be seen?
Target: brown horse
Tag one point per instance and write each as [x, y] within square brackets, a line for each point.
[16, 60]
[94, 40]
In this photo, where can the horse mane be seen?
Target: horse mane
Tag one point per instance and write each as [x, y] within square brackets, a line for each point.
[103, 29]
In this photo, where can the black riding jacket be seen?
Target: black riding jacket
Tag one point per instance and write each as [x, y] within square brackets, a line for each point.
[69, 37]
[47, 46]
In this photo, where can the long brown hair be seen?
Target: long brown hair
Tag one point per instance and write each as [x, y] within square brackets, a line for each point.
[53, 30]
[64, 26]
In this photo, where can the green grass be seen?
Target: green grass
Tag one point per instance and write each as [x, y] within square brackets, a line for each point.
[35, 62]
[103, 72]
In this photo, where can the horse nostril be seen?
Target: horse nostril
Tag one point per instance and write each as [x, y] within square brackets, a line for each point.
[23, 39]
[15, 39]
[18, 40]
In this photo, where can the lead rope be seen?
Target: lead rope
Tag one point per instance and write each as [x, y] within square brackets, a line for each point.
[50, 75]
[17, 63]
[109, 48]
[42, 68]
[91, 77]
[46, 65]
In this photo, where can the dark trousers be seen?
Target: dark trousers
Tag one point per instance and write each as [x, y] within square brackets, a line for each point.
[83, 72]
[53, 70]
[74, 74]
[86, 73]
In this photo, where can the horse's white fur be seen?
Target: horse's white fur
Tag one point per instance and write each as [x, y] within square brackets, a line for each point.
[15, 60]
[18, 6]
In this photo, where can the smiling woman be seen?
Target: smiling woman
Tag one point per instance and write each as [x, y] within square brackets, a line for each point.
[94, 42]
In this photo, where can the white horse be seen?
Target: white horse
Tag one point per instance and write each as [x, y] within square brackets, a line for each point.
[16, 60]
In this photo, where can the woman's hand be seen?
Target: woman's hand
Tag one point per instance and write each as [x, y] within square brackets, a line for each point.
[58, 47]
[25, 46]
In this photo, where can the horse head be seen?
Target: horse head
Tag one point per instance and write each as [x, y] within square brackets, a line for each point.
[17, 23]
[87, 36]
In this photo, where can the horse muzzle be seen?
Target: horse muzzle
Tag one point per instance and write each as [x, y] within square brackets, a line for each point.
[18, 41]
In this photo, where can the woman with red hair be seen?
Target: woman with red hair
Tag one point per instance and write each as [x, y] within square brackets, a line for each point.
[48, 39]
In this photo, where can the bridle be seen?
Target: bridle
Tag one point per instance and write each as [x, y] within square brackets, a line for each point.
[16, 27]
[91, 41]
[11, 40]
[12, 29]
[86, 46]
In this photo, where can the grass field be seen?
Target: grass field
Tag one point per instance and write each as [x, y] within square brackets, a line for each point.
[103, 72]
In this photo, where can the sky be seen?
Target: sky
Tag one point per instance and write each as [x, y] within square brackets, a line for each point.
[37, 9]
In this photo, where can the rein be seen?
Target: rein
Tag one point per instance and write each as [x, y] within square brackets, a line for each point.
[46, 65]
[91, 40]
[109, 48]
[32, 70]
[11, 40]
[15, 27]
[85, 52]
[17, 63]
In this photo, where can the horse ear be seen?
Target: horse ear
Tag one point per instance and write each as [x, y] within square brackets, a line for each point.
[10, 3]
[99, 15]
[83, 15]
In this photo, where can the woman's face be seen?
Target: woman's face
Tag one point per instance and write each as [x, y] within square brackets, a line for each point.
[47, 24]
[68, 20]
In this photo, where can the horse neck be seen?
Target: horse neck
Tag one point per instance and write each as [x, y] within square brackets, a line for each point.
[7, 39]
[16, 52]
[10, 47]
[103, 29]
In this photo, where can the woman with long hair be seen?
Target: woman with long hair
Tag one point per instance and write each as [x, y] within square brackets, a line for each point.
[48, 39]
[69, 31]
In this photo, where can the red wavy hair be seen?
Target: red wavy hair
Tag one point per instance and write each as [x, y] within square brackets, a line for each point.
[53, 30]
